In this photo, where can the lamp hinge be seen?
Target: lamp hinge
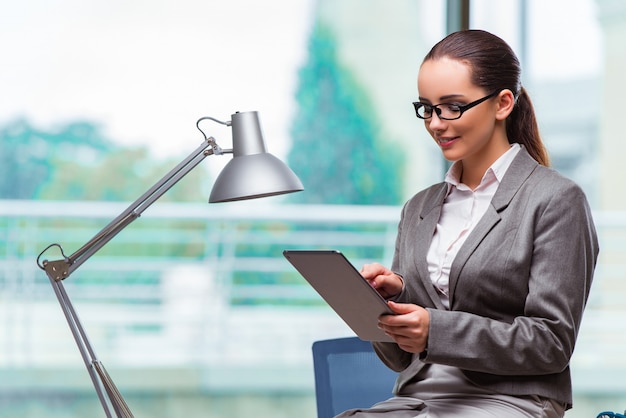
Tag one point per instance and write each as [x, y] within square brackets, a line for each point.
[57, 270]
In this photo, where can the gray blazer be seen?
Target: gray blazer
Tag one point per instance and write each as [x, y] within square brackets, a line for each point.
[518, 285]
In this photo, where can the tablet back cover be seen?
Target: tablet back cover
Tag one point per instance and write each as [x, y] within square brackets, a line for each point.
[341, 285]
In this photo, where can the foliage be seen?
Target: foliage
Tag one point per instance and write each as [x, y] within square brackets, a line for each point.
[123, 174]
[76, 162]
[336, 147]
[28, 156]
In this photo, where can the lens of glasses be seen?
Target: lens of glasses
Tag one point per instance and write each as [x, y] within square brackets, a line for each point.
[444, 111]
[449, 111]
[423, 111]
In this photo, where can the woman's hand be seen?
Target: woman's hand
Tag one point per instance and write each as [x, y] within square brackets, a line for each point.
[408, 328]
[386, 282]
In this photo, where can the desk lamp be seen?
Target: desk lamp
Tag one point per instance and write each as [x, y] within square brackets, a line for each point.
[252, 173]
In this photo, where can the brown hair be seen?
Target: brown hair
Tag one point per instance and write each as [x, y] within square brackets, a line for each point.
[495, 67]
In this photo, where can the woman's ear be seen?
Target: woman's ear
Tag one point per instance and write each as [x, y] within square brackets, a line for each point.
[506, 102]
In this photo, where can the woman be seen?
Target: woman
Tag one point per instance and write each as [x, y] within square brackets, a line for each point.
[492, 267]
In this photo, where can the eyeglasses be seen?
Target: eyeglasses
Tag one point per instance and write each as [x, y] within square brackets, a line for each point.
[446, 111]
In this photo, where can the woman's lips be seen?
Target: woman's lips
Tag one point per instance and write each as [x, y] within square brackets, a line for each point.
[446, 142]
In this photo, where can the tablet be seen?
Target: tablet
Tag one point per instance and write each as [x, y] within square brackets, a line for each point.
[341, 285]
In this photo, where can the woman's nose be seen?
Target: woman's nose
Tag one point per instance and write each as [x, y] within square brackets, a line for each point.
[435, 122]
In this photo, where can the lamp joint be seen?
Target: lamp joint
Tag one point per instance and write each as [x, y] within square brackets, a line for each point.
[58, 270]
[215, 148]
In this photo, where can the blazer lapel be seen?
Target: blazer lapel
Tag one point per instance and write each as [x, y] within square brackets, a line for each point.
[429, 216]
[517, 173]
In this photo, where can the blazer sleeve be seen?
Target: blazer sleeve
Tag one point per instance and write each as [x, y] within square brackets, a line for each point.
[390, 353]
[411, 240]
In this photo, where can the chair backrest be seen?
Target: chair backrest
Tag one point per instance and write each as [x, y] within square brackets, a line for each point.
[610, 414]
[349, 374]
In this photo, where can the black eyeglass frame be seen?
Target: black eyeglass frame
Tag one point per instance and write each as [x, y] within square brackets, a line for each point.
[462, 108]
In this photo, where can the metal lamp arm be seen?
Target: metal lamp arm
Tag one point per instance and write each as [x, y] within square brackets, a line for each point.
[108, 394]
[61, 269]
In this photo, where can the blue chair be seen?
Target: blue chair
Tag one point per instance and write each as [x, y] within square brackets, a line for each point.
[348, 374]
[609, 414]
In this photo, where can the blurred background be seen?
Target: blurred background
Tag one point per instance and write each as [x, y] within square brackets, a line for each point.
[193, 309]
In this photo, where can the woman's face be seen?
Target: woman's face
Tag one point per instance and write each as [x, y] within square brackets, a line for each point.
[472, 137]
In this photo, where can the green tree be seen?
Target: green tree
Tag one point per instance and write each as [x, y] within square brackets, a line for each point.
[29, 156]
[337, 145]
[76, 162]
[122, 174]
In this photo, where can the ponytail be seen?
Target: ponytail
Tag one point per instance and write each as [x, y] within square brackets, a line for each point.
[521, 127]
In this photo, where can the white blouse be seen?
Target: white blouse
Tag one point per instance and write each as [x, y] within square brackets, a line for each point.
[461, 211]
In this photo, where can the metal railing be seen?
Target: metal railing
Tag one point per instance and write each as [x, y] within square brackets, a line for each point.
[205, 288]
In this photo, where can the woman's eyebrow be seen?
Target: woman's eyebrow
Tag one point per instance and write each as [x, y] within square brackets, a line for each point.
[442, 99]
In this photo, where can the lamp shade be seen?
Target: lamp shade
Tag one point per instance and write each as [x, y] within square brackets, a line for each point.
[253, 172]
